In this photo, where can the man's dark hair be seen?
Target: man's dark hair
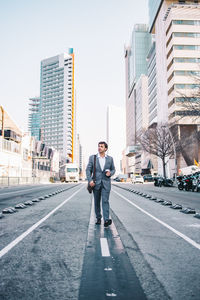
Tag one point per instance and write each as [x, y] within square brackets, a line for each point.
[104, 143]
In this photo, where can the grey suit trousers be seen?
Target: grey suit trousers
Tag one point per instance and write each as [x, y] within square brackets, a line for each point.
[103, 194]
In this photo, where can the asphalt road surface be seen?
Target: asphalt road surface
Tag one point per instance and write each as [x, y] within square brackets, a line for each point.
[52, 249]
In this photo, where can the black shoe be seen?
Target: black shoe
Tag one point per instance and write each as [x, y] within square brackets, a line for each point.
[98, 222]
[107, 223]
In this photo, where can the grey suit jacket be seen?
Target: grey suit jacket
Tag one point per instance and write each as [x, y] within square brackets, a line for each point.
[101, 177]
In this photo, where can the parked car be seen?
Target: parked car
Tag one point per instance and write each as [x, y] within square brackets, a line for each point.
[137, 179]
[121, 178]
[148, 178]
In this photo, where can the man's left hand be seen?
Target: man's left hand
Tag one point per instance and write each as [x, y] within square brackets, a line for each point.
[108, 173]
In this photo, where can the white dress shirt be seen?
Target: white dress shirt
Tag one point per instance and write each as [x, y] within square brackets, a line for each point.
[102, 161]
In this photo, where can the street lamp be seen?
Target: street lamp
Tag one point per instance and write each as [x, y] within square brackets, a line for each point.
[2, 126]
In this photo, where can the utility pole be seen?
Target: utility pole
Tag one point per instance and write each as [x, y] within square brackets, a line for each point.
[2, 125]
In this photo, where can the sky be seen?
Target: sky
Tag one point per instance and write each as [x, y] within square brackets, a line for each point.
[97, 30]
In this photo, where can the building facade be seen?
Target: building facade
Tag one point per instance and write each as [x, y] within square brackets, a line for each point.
[58, 104]
[152, 86]
[176, 27]
[116, 134]
[35, 117]
[135, 66]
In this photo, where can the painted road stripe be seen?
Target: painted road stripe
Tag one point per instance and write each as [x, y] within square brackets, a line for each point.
[104, 247]
[27, 232]
[183, 236]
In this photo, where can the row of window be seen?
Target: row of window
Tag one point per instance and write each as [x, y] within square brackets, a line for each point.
[183, 22]
[183, 60]
[183, 86]
[183, 34]
[183, 47]
[184, 99]
[184, 113]
[183, 73]
[152, 115]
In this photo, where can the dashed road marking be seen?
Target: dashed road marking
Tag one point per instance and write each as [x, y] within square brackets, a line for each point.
[104, 247]
[183, 236]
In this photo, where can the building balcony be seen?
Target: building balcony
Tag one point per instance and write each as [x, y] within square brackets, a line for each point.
[132, 150]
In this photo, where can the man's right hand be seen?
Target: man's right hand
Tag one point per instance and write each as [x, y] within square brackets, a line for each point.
[92, 183]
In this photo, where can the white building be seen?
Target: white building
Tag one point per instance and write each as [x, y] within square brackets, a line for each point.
[116, 134]
[176, 27]
[10, 146]
[152, 86]
[141, 119]
[58, 104]
[23, 159]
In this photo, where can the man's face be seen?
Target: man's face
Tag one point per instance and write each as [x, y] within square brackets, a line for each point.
[101, 148]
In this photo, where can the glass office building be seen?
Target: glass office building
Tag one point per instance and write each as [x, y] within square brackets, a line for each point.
[34, 117]
[140, 45]
[154, 6]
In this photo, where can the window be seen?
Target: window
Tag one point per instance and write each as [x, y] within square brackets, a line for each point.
[186, 34]
[186, 22]
[187, 86]
[186, 59]
[186, 47]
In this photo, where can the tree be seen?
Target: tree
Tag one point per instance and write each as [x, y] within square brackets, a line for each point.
[159, 142]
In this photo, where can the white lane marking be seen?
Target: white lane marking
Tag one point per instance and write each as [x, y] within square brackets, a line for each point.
[193, 225]
[183, 236]
[111, 294]
[23, 235]
[104, 247]
[108, 269]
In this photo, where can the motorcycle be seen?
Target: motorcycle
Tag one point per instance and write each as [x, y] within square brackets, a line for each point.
[187, 184]
[161, 181]
[196, 183]
[180, 183]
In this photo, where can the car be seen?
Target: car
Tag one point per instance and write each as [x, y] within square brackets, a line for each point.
[121, 178]
[137, 179]
[148, 178]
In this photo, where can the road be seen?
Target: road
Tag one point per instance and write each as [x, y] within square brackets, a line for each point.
[53, 249]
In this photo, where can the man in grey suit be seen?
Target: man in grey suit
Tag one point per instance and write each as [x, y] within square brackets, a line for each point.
[101, 187]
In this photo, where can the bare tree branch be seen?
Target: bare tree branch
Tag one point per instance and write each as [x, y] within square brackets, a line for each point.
[159, 142]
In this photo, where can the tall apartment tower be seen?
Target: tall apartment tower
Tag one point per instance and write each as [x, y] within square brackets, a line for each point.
[176, 27]
[34, 117]
[58, 104]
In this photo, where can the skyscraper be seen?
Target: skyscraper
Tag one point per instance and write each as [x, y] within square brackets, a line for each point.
[34, 117]
[58, 103]
[136, 65]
